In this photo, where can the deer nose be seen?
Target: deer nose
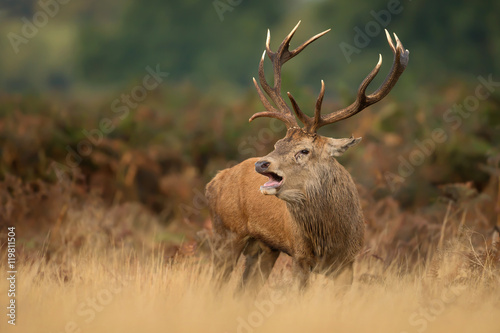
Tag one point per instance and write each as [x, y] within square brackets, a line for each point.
[262, 166]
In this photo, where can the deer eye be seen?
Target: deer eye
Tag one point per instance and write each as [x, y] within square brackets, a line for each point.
[301, 153]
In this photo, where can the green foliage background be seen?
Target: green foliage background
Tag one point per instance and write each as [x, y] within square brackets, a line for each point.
[110, 42]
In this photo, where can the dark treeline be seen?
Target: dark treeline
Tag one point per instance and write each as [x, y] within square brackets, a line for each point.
[216, 44]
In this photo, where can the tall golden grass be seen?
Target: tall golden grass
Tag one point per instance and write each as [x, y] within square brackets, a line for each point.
[81, 280]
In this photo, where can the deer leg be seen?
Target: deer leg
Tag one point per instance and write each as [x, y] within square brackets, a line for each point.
[302, 268]
[259, 262]
[228, 248]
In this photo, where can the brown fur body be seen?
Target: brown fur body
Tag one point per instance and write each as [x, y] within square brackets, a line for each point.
[315, 217]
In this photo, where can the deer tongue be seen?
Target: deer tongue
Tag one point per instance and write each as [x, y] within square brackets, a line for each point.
[272, 182]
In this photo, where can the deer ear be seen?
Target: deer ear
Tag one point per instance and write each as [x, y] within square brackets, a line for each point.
[337, 147]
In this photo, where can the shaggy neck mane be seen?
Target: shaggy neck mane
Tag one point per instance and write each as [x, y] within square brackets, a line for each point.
[328, 197]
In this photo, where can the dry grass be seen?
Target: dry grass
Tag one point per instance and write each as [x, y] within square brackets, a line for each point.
[81, 281]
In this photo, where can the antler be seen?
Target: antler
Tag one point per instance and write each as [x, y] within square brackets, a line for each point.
[401, 57]
[278, 58]
[312, 124]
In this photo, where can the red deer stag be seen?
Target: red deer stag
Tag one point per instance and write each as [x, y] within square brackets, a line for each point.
[308, 206]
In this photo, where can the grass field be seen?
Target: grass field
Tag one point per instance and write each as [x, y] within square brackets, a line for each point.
[120, 242]
[86, 278]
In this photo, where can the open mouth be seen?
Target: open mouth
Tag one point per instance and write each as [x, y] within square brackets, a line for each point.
[273, 184]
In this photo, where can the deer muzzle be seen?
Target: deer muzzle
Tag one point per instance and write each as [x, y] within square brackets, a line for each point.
[273, 185]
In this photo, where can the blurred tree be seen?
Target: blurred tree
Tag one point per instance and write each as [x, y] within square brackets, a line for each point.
[462, 36]
[218, 43]
[456, 37]
[18, 7]
[191, 39]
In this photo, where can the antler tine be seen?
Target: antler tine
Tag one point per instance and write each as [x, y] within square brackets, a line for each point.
[274, 93]
[310, 124]
[299, 49]
[282, 113]
[283, 54]
[263, 99]
[302, 117]
[389, 40]
[288, 119]
[319, 102]
[401, 58]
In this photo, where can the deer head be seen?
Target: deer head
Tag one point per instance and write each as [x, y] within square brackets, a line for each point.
[302, 152]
